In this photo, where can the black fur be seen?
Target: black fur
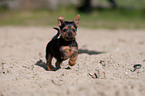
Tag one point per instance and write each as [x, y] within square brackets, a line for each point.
[55, 46]
[63, 45]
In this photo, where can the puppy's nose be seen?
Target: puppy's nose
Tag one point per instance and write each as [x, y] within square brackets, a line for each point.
[69, 34]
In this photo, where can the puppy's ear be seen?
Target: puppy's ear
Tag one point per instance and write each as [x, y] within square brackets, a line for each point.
[60, 21]
[77, 20]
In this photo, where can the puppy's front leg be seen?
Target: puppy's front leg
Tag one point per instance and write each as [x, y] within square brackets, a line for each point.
[73, 59]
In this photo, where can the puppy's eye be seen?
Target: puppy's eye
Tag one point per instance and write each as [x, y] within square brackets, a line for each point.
[64, 30]
[74, 30]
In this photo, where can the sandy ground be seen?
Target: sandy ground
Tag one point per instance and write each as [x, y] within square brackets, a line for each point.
[103, 68]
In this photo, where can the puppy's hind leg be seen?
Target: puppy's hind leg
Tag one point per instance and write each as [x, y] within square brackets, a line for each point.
[57, 64]
[49, 59]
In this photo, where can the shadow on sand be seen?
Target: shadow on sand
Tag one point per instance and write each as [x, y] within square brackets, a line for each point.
[42, 64]
[89, 52]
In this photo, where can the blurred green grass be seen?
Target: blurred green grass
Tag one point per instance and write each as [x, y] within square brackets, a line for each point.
[112, 19]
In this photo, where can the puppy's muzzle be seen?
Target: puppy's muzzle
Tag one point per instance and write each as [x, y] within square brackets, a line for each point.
[69, 33]
[69, 36]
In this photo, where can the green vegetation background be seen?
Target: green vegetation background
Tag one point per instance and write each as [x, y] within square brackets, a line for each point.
[129, 15]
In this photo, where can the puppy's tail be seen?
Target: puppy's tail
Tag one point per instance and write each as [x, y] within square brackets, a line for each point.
[58, 33]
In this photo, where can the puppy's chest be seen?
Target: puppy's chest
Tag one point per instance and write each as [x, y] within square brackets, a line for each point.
[67, 51]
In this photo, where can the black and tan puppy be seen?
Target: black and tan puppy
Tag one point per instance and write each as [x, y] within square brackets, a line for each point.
[64, 47]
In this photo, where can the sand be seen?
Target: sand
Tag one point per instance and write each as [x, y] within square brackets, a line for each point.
[104, 65]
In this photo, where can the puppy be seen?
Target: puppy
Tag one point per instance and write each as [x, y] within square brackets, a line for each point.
[65, 47]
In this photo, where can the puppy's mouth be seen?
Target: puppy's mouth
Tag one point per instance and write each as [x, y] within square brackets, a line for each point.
[69, 38]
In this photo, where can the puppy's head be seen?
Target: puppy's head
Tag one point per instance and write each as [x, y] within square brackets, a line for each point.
[68, 28]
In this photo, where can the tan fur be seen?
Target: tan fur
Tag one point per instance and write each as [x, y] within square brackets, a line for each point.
[68, 51]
